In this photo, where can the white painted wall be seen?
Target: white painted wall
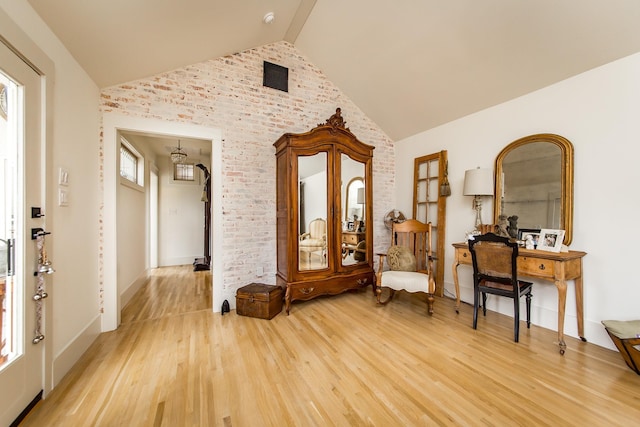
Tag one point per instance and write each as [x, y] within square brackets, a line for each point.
[153, 217]
[598, 111]
[315, 198]
[132, 245]
[181, 216]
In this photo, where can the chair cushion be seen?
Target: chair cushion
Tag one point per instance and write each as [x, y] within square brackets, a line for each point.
[409, 281]
[400, 258]
[312, 242]
[623, 329]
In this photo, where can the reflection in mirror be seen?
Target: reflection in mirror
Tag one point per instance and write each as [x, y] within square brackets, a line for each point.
[354, 200]
[353, 242]
[534, 181]
[312, 185]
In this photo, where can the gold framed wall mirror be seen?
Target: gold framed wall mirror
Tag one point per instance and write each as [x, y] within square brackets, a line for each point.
[534, 184]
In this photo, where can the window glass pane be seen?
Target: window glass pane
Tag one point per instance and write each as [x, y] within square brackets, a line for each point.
[11, 118]
[183, 172]
[128, 164]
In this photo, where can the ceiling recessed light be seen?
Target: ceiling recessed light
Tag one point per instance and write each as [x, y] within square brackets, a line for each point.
[268, 18]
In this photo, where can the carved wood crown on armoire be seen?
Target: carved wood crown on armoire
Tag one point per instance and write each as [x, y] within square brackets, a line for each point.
[324, 199]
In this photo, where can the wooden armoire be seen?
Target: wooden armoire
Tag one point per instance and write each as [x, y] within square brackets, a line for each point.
[324, 199]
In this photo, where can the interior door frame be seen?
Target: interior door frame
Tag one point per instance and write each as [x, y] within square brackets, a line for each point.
[113, 123]
[153, 217]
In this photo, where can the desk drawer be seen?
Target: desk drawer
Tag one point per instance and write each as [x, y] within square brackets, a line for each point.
[537, 267]
[463, 256]
[350, 239]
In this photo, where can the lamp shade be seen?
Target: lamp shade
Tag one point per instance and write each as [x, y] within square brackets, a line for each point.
[478, 182]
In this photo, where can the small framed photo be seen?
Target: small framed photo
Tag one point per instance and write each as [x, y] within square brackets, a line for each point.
[550, 240]
[529, 234]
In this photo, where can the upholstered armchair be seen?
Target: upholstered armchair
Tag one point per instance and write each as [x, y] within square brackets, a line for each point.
[315, 240]
[410, 261]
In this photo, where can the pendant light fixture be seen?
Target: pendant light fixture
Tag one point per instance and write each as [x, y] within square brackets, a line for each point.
[178, 155]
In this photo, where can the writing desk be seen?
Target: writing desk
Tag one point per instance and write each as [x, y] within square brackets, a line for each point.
[550, 266]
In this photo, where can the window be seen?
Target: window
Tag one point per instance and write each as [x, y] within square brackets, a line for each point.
[183, 172]
[131, 163]
[128, 164]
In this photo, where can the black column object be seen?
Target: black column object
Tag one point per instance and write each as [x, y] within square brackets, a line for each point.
[225, 308]
[201, 264]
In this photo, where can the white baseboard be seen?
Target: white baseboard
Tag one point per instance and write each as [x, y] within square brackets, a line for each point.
[72, 352]
[128, 293]
[545, 317]
[184, 260]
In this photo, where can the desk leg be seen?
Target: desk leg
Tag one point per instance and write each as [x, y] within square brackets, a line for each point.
[562, 301]
[579, 309]
[457, 285]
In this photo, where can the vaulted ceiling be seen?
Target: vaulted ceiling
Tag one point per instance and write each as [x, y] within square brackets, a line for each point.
[410, 65]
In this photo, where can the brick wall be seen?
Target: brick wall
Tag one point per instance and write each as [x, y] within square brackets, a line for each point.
[227, 93]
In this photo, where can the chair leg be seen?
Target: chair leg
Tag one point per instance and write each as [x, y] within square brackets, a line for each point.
[476, 298]
[516, 319]
[379, 295]
[528, 296]
[430, 300]
[484, 304]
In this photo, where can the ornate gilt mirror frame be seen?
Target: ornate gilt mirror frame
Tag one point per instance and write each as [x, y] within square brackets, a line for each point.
[566, 178]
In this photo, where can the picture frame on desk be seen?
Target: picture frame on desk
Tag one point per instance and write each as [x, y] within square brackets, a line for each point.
[550, 240]
[533, 232]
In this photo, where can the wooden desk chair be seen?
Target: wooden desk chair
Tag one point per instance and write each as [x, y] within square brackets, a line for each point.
[495, 272]
[410, 261]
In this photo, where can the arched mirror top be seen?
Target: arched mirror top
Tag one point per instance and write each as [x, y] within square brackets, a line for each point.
[353, 205]
[534, 184]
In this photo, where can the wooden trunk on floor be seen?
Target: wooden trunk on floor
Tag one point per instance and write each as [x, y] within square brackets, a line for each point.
[259, 300]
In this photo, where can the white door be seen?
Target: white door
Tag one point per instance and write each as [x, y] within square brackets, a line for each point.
[21, 361]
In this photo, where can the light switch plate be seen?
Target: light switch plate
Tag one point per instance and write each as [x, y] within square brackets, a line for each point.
[63, 177]
[63, 197]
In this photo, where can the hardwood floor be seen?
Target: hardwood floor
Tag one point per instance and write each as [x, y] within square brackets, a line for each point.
[333, 361]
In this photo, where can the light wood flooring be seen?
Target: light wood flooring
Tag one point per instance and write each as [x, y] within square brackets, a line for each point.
[339, 361]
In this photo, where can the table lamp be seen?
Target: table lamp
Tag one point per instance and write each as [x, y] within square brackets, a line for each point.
[477, 183]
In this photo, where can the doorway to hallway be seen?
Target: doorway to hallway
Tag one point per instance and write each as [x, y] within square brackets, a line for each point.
[159, 205]
[114, 124]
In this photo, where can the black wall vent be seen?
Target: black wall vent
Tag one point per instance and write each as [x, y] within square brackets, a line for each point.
[276, 77]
